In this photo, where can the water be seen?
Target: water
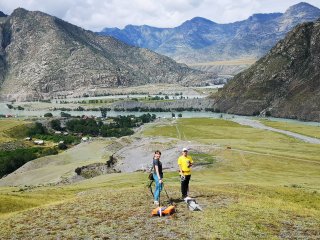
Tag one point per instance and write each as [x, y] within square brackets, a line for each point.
[186, 114]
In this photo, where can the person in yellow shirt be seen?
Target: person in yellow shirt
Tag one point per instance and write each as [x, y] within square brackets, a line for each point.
[185, 163]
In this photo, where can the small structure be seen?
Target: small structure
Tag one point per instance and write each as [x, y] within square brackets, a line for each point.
[38, 142]
[84, 139]
[57, 132]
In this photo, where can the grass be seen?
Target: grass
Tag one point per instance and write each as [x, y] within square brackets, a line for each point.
[11, 129]
[311, 131]
[261, 185]
[54, 168]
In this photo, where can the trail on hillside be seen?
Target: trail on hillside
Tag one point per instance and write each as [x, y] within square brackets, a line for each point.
[259, 125]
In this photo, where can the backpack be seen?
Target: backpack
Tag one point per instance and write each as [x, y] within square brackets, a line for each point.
[150, 176]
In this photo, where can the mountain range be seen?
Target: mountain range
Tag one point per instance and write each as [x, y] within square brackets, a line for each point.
[42, 56]
[284, 83]
[201, 40]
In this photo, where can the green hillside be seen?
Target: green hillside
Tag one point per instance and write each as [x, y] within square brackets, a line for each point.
[259, 185]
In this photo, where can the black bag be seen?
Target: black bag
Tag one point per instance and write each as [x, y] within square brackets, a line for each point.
[150, 177]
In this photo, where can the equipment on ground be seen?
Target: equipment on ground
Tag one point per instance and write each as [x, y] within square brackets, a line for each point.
[163, 211]
[160, 210]
[192, 204]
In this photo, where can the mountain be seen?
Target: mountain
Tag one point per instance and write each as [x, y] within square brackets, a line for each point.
[42, 56]
[284, 83]
[2, 14]
[201, 40]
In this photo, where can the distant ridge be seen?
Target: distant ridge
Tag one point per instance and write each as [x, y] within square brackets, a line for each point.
[201, 40]
[2, 14]
[284, 83]
[43, 56]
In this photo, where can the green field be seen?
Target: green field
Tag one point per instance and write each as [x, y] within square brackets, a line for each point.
[311, 131]
[259, 185]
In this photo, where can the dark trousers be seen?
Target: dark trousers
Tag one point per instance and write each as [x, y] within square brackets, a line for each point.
[185, 185]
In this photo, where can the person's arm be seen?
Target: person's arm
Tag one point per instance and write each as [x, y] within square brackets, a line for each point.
[190, 162]
[157, 172]
[180, 170]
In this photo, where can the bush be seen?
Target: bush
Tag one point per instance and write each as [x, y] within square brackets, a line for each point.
[63, 114]
[256, 113]
[57, 138]
[56, 124]
[268, 114]
[62, 146]
[48, 115]
[37, 129]
[12, 160]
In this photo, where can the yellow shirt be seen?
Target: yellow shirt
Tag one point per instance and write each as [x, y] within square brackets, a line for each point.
[184, 163]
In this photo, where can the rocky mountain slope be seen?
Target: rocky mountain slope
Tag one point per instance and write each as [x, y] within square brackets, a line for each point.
[201, 40]
[284, 83]
[42, 56]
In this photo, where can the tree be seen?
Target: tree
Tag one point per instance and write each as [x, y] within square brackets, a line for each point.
[173, 115]
[104, 112]
[48, 115]
[180, 115]
[56, 124]
[37, 129]
[63, 114]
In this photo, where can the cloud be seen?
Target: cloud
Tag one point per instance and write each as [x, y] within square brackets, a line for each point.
[97, 14]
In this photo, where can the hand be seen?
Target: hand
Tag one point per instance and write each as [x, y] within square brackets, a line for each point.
[160, 181]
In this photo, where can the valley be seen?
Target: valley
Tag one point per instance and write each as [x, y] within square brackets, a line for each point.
[82, 113]
[239, 171]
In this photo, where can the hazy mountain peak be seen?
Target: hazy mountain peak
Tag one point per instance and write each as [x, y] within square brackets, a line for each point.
[198, 21]
[2, 14]
[300, 8]
[200, 40]
[262, 17]
[19, 12]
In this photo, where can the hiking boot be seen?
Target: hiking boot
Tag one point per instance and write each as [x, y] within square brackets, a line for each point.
[156, 203]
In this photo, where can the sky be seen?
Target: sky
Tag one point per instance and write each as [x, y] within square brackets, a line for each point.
[97, 14]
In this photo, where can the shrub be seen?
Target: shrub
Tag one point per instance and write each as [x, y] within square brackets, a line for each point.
[48, 115]
[37, 129]
[62, 146]
[63, 114]
[56, 124]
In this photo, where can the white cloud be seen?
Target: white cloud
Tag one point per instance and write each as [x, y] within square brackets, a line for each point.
[97, 14]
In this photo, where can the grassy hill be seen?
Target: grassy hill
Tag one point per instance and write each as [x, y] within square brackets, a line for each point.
[260, 185]
[11, 129]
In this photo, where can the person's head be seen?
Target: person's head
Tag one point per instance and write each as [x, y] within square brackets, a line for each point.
[157, 154]
[185, 151]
